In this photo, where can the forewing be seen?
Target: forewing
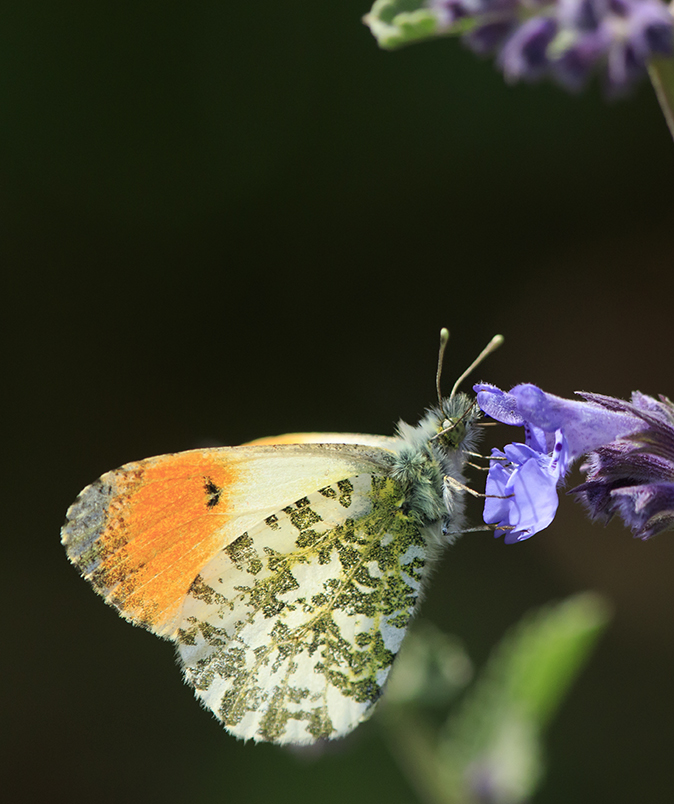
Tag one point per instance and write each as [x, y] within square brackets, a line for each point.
[289, 633]
[141, 534]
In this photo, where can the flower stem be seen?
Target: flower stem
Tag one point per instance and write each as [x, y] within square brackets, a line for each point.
[410, 741]
[661, 72]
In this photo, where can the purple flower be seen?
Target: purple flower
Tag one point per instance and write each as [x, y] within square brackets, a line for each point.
[523, 480]
[633, 477]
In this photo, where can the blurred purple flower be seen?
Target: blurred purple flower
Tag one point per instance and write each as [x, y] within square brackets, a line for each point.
[449, 11]
[565, 39]
[525, 54]
[486, 38]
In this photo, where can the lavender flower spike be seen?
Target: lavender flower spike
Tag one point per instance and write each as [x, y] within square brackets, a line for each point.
[522, 482]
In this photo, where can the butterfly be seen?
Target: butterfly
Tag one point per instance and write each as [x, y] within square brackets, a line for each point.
[286, 571]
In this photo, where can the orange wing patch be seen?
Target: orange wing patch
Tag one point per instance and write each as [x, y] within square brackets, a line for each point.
[140, 534]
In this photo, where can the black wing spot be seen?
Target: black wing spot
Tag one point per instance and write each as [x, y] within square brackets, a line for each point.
[213, 493]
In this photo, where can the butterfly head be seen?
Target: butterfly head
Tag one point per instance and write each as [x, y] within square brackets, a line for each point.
[455, 414]
[455, 417]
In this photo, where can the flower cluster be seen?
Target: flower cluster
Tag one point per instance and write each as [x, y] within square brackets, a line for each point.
[629, 466]
[564, 39]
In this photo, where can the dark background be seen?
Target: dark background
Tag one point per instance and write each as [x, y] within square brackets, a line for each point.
[221, 221]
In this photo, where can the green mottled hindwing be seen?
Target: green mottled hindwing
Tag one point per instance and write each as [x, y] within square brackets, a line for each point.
[289, 633]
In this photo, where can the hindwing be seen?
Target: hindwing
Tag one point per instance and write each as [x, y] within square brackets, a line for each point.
[289, 632]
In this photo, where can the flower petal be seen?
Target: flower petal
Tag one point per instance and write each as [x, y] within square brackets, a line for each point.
[585, 426]
[522, 493]
[497, 404]
[535, 501]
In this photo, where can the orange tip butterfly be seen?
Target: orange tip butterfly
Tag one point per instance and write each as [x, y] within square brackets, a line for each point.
[286, 571]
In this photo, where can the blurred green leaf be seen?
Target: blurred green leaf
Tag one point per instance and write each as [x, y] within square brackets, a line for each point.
[490, 749]
[395, 23]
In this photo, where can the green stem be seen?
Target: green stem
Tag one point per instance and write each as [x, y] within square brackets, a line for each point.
[661, 72]
[413, 744]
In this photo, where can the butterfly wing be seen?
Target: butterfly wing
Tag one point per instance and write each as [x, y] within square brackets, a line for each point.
[364, 439]
[142, 533]
[289, 632]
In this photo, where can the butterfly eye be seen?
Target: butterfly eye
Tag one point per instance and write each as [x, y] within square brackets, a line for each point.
[451, 433]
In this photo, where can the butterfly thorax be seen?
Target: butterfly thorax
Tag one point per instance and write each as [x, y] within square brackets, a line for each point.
[431, 460]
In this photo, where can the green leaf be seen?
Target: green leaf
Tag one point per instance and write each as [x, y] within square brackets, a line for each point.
[395, 23]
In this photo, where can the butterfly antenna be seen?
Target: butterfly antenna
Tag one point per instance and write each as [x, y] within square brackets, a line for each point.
[493, 344]
[444, 338]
